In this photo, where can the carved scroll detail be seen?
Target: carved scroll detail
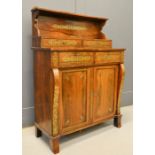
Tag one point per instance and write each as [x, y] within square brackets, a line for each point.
[36, 27]
[55, 121]
[120, 86]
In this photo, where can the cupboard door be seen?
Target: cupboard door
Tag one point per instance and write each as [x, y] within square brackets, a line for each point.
[74, 98]
[105, 89]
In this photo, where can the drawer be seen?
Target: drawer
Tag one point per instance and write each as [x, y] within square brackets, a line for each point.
[109, 57]
[47, 42]
[76, 58]
[72, 59]
[97, 43]
[60, 43]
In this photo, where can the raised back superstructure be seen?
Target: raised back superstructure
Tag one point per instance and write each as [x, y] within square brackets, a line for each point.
[60, 29]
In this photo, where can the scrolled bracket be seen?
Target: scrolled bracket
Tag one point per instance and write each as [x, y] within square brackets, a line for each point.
[120, 86]
[55, 113]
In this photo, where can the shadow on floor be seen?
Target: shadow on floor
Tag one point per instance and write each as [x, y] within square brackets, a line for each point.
[82, 135]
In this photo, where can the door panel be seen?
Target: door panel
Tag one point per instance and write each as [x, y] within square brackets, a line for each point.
[74, 99]
[105, 85]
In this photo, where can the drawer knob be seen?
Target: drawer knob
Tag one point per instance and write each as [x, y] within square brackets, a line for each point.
[82, 118]
[110, 109]
[67, 122]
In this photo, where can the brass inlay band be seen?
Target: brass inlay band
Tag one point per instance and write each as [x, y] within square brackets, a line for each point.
[55, 111]
[68, 27]
[76, 58]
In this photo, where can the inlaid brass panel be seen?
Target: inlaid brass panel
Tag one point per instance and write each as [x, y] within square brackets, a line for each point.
[75, 58]
[55, 111]
[69, 27]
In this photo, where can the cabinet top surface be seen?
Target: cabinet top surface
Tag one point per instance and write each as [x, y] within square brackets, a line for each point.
[47, 12]
[80, 49]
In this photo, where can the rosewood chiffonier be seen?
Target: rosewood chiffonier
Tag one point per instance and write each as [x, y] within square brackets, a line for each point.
[78, 76]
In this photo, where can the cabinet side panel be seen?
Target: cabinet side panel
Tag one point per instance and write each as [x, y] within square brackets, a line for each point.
[43, 90]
